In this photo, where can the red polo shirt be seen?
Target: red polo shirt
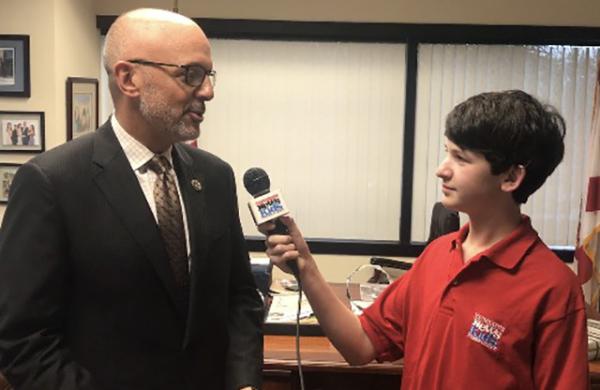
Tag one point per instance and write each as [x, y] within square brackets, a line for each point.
[512, 318]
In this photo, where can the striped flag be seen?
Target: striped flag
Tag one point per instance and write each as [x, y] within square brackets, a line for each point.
[587, 250]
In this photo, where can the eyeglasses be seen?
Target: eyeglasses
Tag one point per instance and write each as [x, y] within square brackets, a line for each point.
[194, 74]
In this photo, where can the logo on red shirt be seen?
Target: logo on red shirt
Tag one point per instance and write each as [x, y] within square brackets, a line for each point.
[486, 332]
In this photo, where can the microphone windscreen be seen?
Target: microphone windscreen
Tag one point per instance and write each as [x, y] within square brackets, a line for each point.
[256, 181]
[266, 205]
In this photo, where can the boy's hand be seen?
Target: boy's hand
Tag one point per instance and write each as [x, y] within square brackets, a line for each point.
[283, 248]
[266, 227]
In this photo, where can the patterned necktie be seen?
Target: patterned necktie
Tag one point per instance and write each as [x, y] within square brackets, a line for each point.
[170, 220]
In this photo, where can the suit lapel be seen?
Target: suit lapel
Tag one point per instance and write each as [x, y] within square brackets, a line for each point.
[118, 183]
[192, 178]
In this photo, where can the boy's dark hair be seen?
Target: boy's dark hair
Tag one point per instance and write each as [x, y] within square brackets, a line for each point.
[510, 128]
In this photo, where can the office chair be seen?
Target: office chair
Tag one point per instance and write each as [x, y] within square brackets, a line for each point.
[443, 221]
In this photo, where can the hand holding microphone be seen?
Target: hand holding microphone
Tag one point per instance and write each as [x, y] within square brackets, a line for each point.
[292, 250]
[268, 209]
[285, 244]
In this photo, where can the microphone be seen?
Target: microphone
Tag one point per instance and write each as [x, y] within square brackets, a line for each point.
[267, 205]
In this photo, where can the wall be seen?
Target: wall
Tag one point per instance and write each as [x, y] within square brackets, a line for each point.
[32, 20]
[77, 51]
[534, 12]
[63, 42]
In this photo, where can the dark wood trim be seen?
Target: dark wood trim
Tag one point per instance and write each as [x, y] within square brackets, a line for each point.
[41, 133]
[389, 32]
[350, 247]
[291, 30]
[408, 151]
[287, 329]
[4, 200]
[69, 98]
[24, 40]
[374, 248]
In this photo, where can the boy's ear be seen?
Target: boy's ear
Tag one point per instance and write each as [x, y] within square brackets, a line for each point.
[513, 178]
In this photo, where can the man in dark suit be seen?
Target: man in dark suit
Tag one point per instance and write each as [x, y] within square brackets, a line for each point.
[92, 295]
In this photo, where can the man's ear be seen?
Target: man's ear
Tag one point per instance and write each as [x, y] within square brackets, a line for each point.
[513, 178]
[126, 79]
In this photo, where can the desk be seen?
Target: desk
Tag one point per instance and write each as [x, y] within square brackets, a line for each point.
[595, 374]
[325, 369]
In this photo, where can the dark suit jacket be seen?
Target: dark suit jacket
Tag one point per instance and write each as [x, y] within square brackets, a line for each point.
[87, 296]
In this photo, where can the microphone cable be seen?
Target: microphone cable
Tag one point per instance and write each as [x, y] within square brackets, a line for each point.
[258, 184]
[298, 357]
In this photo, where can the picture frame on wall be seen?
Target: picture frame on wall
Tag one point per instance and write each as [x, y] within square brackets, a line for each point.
[22, 132]
[7, 173]
[82, 106]
[14, 66]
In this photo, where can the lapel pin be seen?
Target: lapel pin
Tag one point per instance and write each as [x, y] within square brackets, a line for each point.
[196, 184]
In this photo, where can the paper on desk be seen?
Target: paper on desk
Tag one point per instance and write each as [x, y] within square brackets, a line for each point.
[285, 306]
[264, 261]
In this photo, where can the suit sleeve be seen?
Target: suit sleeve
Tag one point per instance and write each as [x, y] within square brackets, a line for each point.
[246, 313]
[34, 276]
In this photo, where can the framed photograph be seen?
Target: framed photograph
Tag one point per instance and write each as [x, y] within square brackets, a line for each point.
[22, 131]
[82, 106]
[7, 173]
[14, 66]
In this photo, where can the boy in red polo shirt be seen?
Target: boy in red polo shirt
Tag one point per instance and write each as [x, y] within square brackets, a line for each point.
[489, 306]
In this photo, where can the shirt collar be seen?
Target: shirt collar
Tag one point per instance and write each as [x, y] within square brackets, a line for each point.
[137, 153]
[509, 251]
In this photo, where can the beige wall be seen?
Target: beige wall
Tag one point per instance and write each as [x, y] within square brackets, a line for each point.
[76, 50]
[63, 42]
[534, 12]
[34, 21]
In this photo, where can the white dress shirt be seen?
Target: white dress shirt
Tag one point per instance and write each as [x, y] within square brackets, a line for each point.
[138, 155]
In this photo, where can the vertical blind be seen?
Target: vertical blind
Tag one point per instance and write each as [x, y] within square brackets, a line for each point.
[563, 76]
[324, 119]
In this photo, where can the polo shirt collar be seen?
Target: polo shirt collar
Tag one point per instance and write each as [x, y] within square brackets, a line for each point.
[508, 252]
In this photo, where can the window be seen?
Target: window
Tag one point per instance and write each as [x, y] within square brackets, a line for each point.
[325, 121]
[563, 76]
[348, 118]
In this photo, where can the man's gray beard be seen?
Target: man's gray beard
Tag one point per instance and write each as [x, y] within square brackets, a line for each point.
[155, 111]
